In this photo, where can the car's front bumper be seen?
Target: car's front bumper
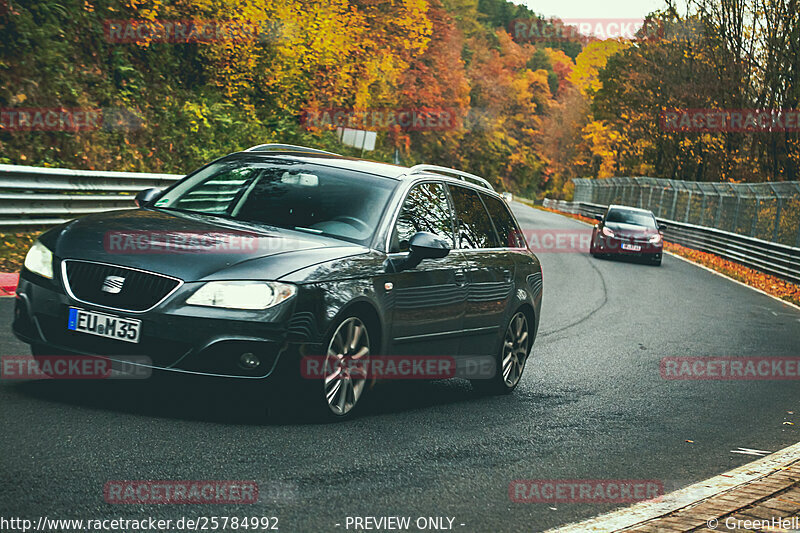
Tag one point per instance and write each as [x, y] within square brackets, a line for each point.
[174, 336]
[613, 245]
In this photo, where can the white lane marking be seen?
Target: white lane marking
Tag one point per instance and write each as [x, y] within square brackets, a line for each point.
[644, 511]
[748, 451]
[784, 302]
[765, 452]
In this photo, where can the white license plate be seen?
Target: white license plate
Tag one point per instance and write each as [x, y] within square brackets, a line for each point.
[632, 247]
[102, 325]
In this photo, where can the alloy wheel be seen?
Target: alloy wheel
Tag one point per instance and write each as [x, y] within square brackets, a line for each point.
[515, 350]
[346, 363]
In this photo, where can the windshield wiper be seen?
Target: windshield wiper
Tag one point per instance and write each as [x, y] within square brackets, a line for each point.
[190, 212]
[309, 230]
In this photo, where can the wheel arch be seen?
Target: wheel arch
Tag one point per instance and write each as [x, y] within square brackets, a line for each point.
[368, 312]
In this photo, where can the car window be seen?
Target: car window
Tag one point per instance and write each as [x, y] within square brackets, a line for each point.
[426, 208]
[507, 229]
[306, 197]
[635, 218]
[475, 228]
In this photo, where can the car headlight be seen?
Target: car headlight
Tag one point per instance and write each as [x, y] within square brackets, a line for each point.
[242, 294]
[607, 232]
[655, 239]
[40, 260]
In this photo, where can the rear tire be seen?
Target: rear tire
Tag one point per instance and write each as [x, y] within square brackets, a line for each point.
[510, 360]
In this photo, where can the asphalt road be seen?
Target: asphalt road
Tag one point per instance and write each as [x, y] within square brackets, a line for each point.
[592, 405]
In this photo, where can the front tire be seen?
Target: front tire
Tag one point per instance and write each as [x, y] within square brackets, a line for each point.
[345, 368]
[511, 359]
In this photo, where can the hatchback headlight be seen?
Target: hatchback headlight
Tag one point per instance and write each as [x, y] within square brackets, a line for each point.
[607, 232]
[40, 260]
[242, 294]
[655, 239]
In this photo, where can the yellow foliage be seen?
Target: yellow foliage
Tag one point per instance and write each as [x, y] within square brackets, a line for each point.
[591, 61]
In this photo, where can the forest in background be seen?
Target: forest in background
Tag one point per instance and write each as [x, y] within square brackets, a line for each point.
[531, 113]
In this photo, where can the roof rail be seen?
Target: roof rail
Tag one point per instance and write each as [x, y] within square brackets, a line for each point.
[418, 169]
[273, 147]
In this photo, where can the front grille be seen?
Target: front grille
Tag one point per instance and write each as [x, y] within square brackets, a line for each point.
[140, 290]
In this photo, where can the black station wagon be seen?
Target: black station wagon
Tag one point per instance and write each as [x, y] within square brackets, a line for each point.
[264, 257]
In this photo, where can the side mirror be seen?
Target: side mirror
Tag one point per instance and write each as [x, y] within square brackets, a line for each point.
[422, 245]
[662, 227]
[598, 217]
[146, 197]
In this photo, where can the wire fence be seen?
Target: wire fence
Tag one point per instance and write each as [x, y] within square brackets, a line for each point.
[767, 211]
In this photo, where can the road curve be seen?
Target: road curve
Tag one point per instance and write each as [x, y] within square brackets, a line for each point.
[592, 405]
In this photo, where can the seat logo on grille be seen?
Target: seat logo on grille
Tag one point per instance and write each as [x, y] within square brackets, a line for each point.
[113, 284]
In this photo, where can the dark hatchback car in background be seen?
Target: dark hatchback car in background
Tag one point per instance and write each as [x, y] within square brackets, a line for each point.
[627, 231]
[267, 255]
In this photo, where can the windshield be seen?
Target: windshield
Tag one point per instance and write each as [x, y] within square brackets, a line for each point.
[635, 218]
[288, 194]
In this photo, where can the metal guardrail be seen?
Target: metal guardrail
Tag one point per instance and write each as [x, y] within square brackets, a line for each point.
[769, 257]
[34, 197]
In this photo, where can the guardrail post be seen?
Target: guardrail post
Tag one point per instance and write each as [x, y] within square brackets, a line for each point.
[674, 203]
[719, 209]
[703, 209]
[756, 205]
[797, 241]
[688, 205]
[661, 201]
[778, 208]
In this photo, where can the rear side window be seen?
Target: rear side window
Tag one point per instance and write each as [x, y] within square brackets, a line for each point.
[426, 208]
[474, 225]
[507, 229]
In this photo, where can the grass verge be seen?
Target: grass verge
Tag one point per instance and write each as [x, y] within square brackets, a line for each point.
[13, 250]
